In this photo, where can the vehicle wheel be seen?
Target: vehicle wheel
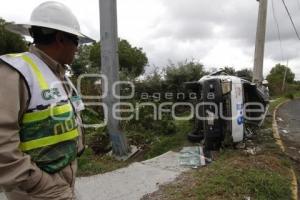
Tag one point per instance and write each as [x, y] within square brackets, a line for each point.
[195, 136]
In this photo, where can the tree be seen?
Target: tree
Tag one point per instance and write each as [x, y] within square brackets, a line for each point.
[88, 60]
[276, 76]
[153, 83]
[229, 71]
[10, 42]
[184, 71]
[245, 73]
[132, 59]
[82, 62]
[175, 76]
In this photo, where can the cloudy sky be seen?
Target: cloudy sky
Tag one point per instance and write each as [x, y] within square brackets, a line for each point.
[215, 32]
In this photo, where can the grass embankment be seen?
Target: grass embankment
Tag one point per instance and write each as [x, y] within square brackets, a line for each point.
[173, 142]
[235, 174]
[91, 164]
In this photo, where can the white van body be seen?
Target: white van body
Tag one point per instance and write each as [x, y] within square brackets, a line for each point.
[231, 94]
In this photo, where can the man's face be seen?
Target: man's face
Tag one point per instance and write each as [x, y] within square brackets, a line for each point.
[70, 48]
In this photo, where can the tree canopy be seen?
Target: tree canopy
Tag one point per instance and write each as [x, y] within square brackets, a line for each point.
[245, 73]
[132, 59]
[175, 76]
[10, 42]
[229, 70]
[276, 76]
[82, 62]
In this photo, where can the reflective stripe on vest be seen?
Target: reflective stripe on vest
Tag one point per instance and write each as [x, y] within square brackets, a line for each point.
[46, 141]
[44, 114]
[43, 84]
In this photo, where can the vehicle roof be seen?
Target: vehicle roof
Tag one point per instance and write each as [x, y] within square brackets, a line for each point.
[223, 77]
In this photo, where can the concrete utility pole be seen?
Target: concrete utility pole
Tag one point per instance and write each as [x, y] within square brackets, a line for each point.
[110, 68]
[260, 42]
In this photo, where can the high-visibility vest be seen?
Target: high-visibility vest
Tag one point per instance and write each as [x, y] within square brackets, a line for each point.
[49, 129]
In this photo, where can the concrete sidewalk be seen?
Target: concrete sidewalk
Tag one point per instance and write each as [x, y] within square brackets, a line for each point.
[132, 182]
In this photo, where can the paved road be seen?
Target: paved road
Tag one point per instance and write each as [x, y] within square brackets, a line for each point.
[288, 118]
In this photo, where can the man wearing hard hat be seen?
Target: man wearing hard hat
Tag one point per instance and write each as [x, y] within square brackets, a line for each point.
[40, 134]
[265, 88]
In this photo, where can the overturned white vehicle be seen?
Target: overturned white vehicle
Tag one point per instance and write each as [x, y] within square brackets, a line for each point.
[228, 109]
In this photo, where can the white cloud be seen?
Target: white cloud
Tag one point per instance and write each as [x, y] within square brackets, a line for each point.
[215, 32]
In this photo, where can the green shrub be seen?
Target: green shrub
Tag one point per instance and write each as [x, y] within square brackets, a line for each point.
[99, 141]
[290, 96]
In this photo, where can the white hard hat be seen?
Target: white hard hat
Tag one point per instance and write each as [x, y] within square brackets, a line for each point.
[54, 15]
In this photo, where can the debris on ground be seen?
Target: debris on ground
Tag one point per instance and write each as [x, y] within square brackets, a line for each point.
[194, 157]
[241, 145]
[292, 148]
[285, 131]
[252, 150]
[279, 119]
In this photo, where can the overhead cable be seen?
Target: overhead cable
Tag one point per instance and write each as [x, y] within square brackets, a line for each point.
[288, 12]
[278, 30]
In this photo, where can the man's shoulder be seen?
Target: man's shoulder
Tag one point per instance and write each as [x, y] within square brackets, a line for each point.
[8, 71]
[5, 67]
[9, 74]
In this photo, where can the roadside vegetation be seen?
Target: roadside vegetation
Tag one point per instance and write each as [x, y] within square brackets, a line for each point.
[257, 171]
[234, 174]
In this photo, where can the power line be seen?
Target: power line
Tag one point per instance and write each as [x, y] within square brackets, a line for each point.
[278, 30]
[288, 12]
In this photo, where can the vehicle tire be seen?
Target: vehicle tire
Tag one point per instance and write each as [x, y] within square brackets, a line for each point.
[195, 136]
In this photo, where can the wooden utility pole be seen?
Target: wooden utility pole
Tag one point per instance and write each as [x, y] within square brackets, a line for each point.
[110, 69]
[260, 42]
